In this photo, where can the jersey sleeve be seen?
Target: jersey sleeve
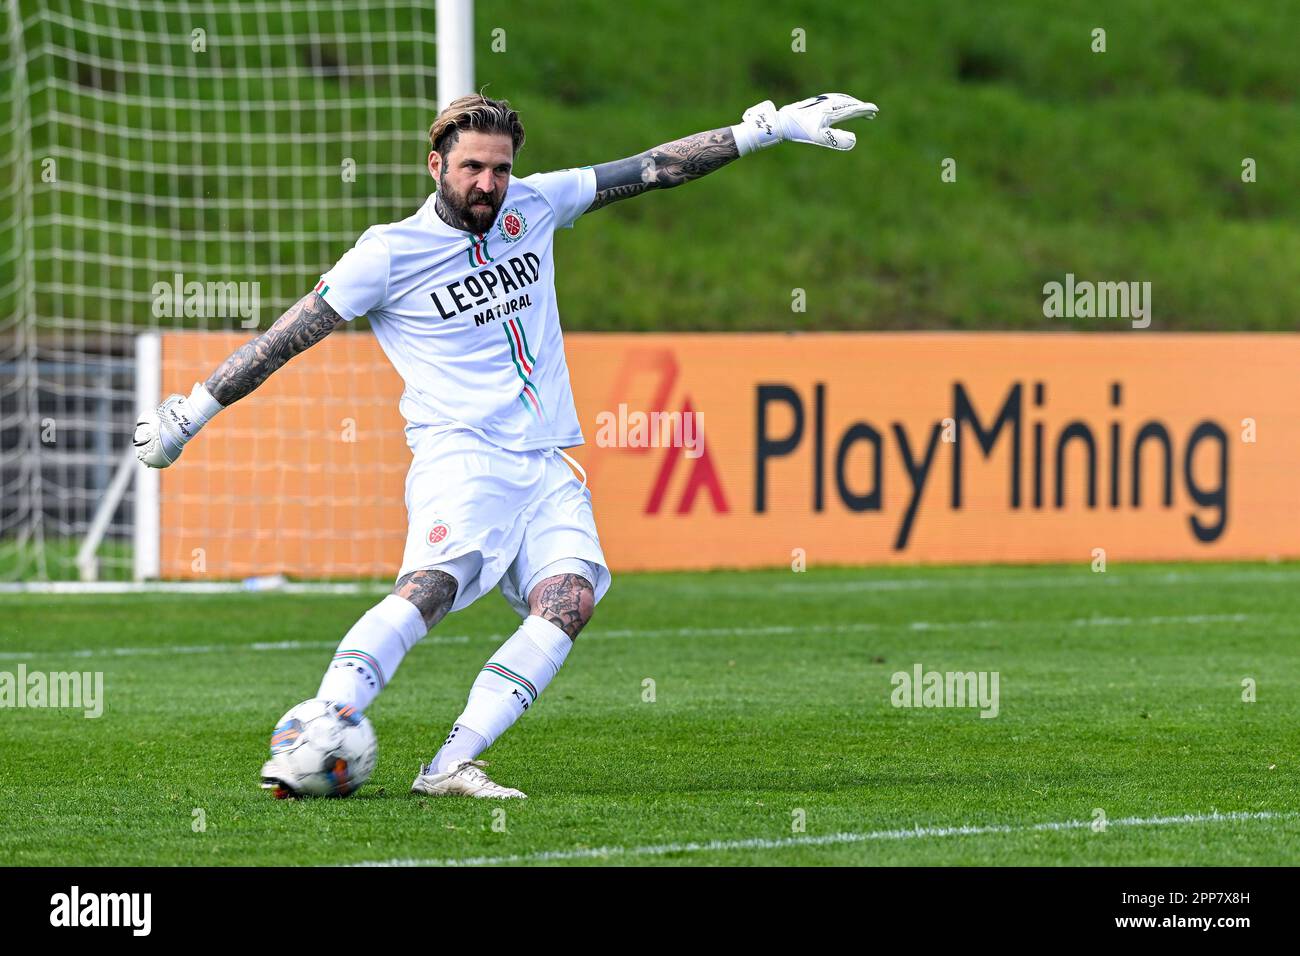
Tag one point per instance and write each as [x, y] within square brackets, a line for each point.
[358, 283]
[569, 192]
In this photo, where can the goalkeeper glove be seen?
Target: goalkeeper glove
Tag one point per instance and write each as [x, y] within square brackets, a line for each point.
[808, 121]
[160, 435]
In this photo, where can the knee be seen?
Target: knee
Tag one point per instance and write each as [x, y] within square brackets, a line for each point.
[432, 592]
[566, 600]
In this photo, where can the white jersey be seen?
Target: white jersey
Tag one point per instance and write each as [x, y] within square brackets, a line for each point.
[470, 321]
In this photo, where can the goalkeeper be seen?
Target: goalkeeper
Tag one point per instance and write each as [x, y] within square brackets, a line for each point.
[461, 297]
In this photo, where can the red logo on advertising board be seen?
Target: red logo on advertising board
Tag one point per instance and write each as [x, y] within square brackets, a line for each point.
[702, 481]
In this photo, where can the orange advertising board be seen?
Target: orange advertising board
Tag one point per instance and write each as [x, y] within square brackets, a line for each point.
[857, 448]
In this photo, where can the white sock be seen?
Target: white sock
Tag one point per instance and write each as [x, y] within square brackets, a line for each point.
[369, 654]
[461, 744]
[509, 683]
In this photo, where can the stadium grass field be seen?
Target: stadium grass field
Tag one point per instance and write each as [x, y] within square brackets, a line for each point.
[1119, 690]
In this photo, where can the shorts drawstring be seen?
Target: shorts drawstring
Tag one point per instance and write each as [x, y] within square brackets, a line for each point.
[574, 464]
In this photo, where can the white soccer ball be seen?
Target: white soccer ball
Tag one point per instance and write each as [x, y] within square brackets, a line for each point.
[330, 748]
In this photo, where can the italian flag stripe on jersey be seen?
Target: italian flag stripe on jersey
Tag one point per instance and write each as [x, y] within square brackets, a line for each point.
[523, 336]
[478, 251]
[524, 362]
[528, 396]
[518, 345]
[321, 287]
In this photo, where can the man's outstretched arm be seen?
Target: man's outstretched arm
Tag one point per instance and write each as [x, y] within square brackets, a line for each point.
[664, 166]
[308, 321]
[680, 161]
[161, 435]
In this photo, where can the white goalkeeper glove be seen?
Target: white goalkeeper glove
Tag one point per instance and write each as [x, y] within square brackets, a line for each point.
[808, 121]
[161, 434]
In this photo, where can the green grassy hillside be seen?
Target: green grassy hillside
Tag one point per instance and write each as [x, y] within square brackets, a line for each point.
[1122, 165]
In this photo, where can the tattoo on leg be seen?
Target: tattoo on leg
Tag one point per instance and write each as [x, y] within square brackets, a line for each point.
[431, 591]
[566, 600]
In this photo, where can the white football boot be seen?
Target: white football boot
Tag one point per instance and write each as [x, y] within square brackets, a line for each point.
[277, 777]
[464, 779]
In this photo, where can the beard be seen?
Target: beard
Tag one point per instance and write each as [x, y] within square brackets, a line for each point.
[463, 212]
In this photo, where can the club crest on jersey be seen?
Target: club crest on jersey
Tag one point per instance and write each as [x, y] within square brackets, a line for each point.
[512, 224]
[438, 533]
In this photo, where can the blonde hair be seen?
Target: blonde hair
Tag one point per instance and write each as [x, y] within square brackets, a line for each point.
[474, 112]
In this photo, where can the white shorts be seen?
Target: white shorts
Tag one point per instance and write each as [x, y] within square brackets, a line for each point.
[489, 516]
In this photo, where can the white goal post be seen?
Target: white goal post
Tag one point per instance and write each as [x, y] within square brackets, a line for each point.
[455, 49]
[148, 385]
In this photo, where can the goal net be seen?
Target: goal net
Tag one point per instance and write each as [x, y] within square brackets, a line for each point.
[193, 167]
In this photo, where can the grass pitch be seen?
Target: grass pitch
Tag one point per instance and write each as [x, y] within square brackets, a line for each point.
[1120, 692]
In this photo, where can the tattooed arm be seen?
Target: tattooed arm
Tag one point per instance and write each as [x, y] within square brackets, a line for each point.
[308, 321]
[161, 435]
[763, 125]
[664, 166]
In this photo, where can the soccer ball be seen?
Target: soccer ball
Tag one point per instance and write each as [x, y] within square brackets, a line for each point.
[328, 748]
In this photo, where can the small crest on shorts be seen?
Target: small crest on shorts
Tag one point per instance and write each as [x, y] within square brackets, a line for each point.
[512, 224]
[438, 533]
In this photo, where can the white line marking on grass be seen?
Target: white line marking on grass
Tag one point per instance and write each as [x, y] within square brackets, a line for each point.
[1087, 622]
[996, 582]
[908, 625]
[204, 648]
[191, 587]
[767, 630]
[832, 839]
